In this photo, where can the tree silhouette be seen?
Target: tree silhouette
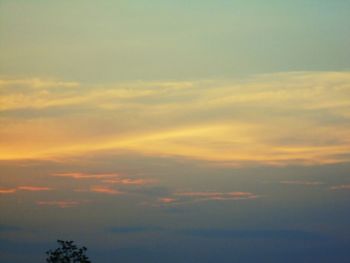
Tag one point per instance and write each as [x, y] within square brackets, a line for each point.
[68, 252]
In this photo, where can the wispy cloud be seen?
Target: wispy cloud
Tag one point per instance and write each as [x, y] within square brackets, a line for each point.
[129, 181]
[78, 175]
[227, 122]
[106, 180]
[24, 188]
[59, 203]
[34, 188]
[105, 190]
[36, 83]
[299, 182]
[167, 200]
[341, 187]
[8, 190]
[193, 197]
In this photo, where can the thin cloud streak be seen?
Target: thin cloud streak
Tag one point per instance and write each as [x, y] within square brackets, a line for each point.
[107, 178]
[193, 197]
[28, 188]
[83, 176]
[129, 181]
[34, 188]
[105, 190]
[298, 182]
[167, 200]
[36, 83]
[8, 191]
[59, 203]
[341, 187]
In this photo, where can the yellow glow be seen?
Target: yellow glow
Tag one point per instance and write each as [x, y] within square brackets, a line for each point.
[274, 119]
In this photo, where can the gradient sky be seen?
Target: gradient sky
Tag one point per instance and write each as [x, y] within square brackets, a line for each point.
[175, 131]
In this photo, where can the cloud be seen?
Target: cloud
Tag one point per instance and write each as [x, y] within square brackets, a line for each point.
[8, 190]
[78, 175]
[275, 119]
[24, 188]
[298, 182]
[341, 187]
[34, 188]
[36, 93]
[106, 180]
[36, 83]
[105, 190]
[59, 203]
[167, 200]
[129, 181]
[193, 197]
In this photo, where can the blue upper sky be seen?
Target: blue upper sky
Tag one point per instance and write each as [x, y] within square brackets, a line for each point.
[128, 40]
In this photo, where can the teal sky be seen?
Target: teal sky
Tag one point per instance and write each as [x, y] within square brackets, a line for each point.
[127, 40]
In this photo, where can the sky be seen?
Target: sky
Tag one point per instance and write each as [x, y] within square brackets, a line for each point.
[175, 131]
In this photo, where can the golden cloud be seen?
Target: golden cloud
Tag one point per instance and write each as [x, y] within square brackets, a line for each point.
[276, 119]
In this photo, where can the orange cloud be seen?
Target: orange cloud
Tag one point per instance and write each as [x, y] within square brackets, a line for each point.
[8, 191]
[105, 190]
[86, 176]
[107, 178]
[34, 188]
[167, 200]
[24, 188]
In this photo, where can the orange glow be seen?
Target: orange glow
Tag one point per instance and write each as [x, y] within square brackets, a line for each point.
[259, 121]
[24, 188]
[167, 200]
[85, 176]
[8, 191]
[34, 188]
[105, 190]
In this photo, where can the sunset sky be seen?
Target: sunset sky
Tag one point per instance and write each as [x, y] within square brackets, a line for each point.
[175, 131]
